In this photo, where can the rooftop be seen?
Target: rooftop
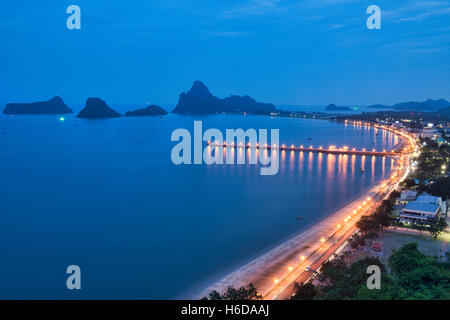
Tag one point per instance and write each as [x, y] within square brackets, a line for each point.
[421, 206]
[427, 198]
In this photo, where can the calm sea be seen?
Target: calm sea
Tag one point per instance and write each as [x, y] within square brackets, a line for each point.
[104, 195]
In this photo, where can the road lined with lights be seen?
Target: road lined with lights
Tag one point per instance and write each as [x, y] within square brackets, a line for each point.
[299, 258]
[303, 272]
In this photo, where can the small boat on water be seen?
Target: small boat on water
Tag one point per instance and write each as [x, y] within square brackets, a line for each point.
[299, 218]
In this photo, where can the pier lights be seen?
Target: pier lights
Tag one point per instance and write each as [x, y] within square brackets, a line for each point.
[320, 147]
[310, 147]
[301, 147]
[364, 149]
[353, 149]
[292, 146]
[384, 150]
[275, 280]
[373, 149]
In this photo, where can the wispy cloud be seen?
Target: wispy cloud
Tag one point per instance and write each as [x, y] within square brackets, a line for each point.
[228, 34]
[254, 7]
[427, 14]
[418, 10]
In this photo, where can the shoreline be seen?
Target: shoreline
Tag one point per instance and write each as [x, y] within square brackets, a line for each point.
[202, 289]
[275, 262]
[295, 253]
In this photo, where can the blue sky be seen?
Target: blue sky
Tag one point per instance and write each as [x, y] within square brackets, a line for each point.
[310, 52]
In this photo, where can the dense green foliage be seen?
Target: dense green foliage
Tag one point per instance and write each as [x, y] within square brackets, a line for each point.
[371, 224]
[413, 275]
[440, 188]
[431, 160]
[243, 293]
[305, 291]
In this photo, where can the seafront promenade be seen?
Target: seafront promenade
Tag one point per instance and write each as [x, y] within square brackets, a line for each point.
[298, 259]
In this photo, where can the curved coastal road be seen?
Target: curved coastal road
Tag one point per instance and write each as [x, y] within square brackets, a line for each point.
[284, 288]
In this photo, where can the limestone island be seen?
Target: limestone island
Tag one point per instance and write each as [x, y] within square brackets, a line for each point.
[151, 110]
[96, 108]
[55, 105]
[198, 100]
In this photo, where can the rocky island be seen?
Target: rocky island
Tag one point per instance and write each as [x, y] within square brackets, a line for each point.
[151, 110]
[333, 107]
[199, 100]
[96, 108]
[55, 105]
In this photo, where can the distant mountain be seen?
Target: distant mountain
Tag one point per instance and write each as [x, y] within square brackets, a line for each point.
[55, 105]
[427, 105]
[333, 107]
[198, 100]
[380, 106]
[151, 110]
[97, 108]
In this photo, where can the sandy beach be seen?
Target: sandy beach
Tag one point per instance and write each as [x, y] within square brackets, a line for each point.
[273, 271]
[289, 259]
